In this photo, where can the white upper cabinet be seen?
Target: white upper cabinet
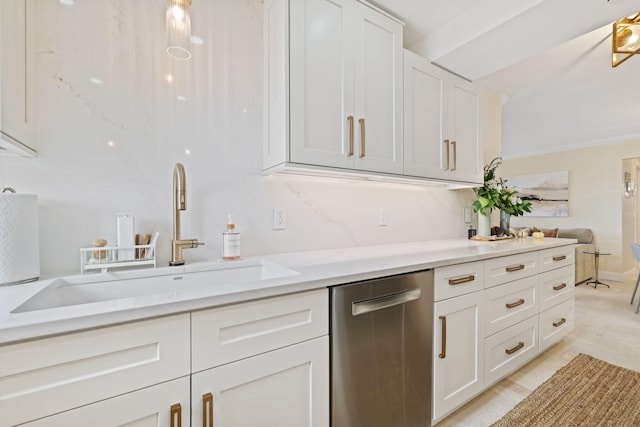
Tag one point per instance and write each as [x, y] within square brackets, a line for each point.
[442, 124]
[17, 132]
[333, 85]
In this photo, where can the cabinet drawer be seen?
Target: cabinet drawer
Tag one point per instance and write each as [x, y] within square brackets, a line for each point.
[507, 350]
[556, 286]
[510, 303]
[509, 268]
[555, 323]
[553, 258]
[43, 377]
[225, 334]
[455, 280]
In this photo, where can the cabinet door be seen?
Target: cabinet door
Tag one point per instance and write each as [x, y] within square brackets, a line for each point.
[465, 132]
[457, 355]
[378, 91]
[288, 387]
[423, 117]
[321, 81]
[163, 405]
[16, 72]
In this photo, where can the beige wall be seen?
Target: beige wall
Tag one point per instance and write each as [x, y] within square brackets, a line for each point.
[595, 196]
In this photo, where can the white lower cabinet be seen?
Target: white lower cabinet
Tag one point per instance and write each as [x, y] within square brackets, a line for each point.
[162, 405]
[457, 352]
[491, 317]
[263, 362]
[288, 387]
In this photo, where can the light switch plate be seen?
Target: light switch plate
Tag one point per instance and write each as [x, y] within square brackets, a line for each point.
[279, 218]
[467, 215]
[383, 218]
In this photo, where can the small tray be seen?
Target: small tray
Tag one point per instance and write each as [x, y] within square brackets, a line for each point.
[492, 238]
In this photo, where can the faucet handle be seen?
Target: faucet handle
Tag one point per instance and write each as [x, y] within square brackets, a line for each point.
[194, 243]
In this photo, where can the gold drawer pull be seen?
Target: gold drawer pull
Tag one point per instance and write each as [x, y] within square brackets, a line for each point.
[515, 268]
[514, 349]
[460, 280]
[350, 119]
[446, 143]
[207, 410]
[362, 138]
[176, 415]
[515, 304]
[443, 353]
[559, 322]
[559, 257]
[560, 286]
[455, 155]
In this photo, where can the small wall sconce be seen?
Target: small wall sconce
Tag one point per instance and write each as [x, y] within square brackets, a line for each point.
[179, 29]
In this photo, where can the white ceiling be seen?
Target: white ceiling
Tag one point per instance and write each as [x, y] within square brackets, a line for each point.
[550, 58]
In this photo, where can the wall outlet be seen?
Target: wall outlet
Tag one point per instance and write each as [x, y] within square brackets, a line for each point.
[467, 215]
[383, 218]
[279, 218]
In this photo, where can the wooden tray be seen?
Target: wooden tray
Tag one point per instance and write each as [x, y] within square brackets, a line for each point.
[492, 238]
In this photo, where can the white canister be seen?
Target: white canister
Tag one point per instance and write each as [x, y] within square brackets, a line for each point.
[19, 238]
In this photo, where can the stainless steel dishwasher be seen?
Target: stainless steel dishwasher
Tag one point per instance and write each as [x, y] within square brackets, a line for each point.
[381, 351]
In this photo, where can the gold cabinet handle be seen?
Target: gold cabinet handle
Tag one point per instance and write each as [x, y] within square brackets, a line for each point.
[461, 280]
[560, 286]
[443, 352]
[207, 410]
[559, 322]
[176, 415]
[446, 144]
[515, 304]
[515, 268]
[350, 119]
[559, 257]
[362, 137]
[514, 349]
[455, 155]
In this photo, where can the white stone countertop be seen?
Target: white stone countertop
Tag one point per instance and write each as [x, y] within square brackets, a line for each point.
[313, 270]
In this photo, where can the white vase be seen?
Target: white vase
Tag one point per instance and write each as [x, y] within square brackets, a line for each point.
[484, 224]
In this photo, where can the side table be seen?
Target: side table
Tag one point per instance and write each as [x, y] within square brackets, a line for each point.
[596, 254]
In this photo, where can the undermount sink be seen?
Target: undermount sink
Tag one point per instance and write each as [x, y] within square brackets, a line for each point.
[203, 280]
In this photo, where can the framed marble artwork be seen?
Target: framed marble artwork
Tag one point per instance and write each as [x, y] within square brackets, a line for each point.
[548, 192]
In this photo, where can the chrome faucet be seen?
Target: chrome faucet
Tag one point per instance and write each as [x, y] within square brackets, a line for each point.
[179, 204]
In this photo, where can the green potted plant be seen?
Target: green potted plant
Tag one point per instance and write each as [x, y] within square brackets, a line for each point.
[495, 194]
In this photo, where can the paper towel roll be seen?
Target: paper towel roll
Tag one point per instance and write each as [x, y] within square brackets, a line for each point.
[19, 251]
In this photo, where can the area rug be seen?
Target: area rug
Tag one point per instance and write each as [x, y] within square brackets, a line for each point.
[585, 392]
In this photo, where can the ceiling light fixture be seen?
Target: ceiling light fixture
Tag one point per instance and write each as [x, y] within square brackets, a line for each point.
[179, 29]
[625, 39]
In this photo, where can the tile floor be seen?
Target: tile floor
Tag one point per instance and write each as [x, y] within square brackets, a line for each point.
[606, 328]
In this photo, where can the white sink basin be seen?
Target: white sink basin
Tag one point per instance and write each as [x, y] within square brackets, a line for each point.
[199, 280]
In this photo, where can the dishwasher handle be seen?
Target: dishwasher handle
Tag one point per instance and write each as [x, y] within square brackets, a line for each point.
[379, 303]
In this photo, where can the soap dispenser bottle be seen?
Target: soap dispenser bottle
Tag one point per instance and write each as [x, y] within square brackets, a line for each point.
[230, 241]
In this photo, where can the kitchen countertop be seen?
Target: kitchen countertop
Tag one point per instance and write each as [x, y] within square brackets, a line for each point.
[315, 270]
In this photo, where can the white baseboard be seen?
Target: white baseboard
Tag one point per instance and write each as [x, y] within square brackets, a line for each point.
[609, 275]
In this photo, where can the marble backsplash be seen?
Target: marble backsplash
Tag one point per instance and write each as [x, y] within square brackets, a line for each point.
[114, 114]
